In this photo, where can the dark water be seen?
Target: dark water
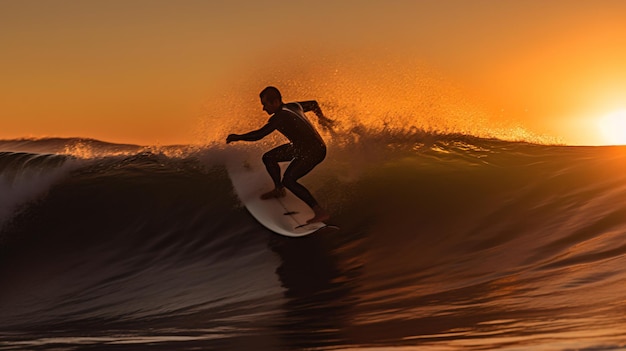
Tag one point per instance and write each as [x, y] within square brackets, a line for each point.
[446, 243]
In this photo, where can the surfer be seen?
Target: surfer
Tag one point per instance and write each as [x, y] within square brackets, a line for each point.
[306, 148]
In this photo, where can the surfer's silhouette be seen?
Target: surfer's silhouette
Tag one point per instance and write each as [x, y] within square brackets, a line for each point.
[306, 148]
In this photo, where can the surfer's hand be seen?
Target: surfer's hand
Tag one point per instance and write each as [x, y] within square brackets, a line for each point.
[231, 138]
[326, 123]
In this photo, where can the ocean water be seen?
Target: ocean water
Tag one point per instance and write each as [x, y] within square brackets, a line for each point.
[447, 242]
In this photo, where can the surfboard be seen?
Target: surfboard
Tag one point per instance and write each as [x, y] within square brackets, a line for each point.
[286, 215]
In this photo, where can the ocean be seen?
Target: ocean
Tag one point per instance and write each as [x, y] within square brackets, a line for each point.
[447, 242]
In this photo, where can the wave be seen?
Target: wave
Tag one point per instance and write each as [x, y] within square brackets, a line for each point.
[66, 146]
[445, 240]
[26, 176]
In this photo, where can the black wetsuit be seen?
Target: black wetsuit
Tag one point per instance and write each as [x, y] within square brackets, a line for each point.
[305, 150]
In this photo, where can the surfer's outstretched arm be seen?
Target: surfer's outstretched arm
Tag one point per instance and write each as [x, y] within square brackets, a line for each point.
[314, 107]
[253, 135]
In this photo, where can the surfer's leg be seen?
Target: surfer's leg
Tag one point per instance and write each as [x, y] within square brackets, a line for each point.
[296, 170]
[283, 153]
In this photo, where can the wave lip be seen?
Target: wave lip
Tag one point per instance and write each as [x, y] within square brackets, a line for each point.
[65, 146]
[24, 177]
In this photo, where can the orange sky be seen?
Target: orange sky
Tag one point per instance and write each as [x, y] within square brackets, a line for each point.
[156, 72]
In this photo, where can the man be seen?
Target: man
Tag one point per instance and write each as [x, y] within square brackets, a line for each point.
[306, 148]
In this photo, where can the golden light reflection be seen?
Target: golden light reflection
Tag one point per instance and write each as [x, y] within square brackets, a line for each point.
[613, 127]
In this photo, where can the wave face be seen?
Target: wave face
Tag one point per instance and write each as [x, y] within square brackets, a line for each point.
[446, 243]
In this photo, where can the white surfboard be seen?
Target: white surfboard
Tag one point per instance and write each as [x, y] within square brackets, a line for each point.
[286, 215]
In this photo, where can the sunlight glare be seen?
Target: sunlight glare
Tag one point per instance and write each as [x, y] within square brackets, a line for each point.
[613, 127]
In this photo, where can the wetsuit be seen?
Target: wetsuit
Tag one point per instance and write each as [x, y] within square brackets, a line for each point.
[305, 150]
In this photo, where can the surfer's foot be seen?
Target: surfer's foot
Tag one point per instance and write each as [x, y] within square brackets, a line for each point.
[274, 194]
[320, 215]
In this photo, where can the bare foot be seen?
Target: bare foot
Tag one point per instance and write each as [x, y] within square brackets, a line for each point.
[273, 194]
[320, 215]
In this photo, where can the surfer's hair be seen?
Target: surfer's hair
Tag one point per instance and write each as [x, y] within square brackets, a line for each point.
[271, 93]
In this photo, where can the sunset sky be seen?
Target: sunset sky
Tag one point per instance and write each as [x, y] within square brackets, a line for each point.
[165, 72]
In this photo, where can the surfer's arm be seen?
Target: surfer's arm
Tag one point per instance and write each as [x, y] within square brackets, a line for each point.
[253, 135]
[314, 107]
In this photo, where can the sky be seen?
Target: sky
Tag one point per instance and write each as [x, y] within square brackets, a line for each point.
[174, 72]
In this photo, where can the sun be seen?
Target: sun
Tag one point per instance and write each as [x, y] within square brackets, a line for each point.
[613, 127]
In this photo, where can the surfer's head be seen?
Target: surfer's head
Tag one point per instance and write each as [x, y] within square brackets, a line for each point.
[271, 100]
